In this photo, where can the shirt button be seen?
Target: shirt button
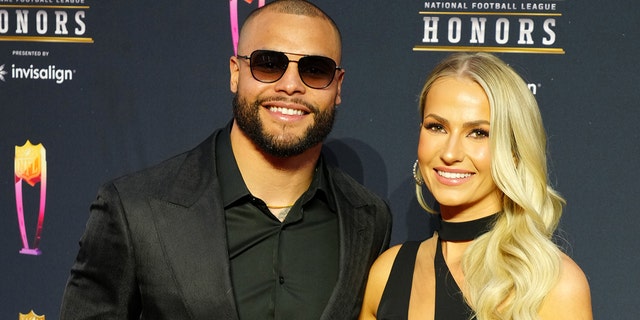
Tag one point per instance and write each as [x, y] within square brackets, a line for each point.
[281, 280]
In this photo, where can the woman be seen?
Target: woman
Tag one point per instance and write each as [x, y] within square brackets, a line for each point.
[481, 154]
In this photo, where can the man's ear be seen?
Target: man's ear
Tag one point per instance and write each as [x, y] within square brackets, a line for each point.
[234, 71]
[338, 80]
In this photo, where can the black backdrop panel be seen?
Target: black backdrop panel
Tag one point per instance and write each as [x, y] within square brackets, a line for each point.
[133, 82]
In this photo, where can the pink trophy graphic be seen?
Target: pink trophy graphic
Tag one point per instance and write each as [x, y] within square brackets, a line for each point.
[233, 15]
[30, 166]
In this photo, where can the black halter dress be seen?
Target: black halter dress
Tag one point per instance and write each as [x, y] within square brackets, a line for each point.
[450, 304]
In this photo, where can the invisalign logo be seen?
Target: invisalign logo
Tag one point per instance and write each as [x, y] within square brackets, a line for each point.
[48, 73]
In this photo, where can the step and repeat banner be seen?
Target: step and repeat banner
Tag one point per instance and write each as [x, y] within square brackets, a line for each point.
[91, 90]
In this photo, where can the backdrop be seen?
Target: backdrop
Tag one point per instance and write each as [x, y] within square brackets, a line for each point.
[91, 90]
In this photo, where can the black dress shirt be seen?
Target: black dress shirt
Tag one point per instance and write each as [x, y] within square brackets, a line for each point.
[279, 270]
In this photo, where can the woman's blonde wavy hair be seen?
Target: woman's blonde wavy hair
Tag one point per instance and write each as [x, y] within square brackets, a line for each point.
[509, 270]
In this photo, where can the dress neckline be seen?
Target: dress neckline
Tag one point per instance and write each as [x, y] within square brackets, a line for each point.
[464, 231]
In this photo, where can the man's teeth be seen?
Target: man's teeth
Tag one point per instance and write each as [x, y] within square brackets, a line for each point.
[453, 175]
[287, 111]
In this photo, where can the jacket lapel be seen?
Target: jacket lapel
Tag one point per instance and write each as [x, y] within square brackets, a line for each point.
[356, 223]
[191, 228]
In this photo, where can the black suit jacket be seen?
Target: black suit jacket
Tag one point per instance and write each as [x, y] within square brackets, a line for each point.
[155, 245]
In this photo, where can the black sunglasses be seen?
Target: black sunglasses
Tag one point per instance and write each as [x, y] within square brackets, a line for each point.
[268, 66]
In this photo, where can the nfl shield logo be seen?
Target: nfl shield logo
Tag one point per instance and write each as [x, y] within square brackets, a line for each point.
[28, 162]
[30, 316]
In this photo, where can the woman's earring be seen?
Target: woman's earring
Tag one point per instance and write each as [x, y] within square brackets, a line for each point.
[416, 173]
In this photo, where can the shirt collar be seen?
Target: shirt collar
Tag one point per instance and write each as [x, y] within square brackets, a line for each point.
[234, 188]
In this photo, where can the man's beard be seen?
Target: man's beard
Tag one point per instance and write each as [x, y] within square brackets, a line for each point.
[248, 119]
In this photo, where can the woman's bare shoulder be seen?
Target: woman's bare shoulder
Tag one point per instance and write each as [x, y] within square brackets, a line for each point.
[571, 296]
[382, 266]
[377, 281]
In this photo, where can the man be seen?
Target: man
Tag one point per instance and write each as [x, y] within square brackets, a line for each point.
[252, 223]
